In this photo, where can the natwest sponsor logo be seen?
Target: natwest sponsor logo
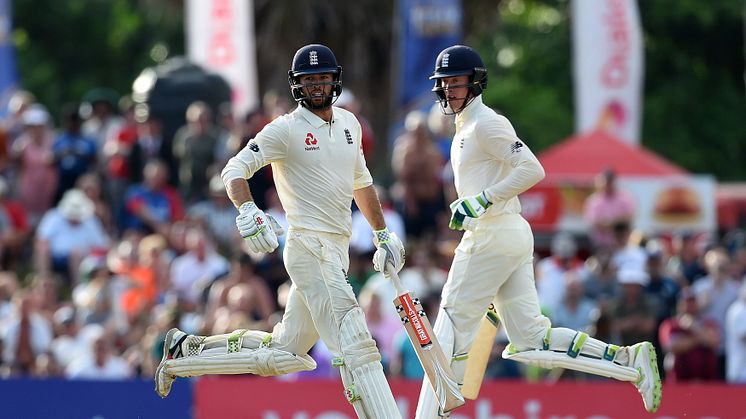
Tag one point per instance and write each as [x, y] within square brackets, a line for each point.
[414, 320]
[311, 142]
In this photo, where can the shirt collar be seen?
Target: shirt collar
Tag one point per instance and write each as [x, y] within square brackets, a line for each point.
[468, 111]
[311, 117]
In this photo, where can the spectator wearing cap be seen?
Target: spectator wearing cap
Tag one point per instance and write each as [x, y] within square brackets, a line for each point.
[66, 345]
[605, 207]
[67, 234]
[74, 153]
[217, 216]
[735, 335]
[663, 288]
[632, 311]
[689, 341]
[32, 153]
[715, 293]
[95, 296]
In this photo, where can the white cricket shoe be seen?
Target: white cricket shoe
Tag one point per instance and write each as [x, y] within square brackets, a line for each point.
[171, 350]
[642, 358]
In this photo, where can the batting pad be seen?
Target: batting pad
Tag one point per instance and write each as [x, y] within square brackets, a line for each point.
[362, 362]
[241, 352]
[551, 359]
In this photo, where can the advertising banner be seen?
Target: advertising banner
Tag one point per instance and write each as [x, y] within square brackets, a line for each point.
[425, 28]
[260, 398]
[7, 59]
[608, 66]
[220, 38]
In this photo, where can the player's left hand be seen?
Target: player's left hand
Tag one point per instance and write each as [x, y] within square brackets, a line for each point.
[465, 210]
[390, 250]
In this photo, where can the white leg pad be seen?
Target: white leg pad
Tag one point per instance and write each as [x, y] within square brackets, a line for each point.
[261, 361]
[362, 362]
[241, 352]
[551, 359]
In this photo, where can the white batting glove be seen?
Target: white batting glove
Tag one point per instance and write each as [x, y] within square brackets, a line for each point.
[465, 211]
[256, 228]
[390, 249]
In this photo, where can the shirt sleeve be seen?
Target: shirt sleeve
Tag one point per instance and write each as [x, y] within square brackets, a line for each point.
[269, 145]
[362, 174]
[497, 138]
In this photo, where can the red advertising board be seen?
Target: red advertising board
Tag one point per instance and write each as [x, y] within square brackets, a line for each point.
[246, 397]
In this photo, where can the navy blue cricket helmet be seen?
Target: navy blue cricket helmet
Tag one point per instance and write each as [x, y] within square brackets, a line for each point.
[314, 59]
[459, 60]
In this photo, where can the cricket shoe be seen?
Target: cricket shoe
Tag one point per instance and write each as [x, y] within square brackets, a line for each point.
[642, 358]
[171, 350]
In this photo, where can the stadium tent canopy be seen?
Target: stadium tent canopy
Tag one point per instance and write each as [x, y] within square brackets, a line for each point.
[581, 157]
[571, 167]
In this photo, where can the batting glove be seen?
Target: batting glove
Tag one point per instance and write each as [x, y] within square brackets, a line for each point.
[390, 249]
[465, 211]
[257, 228]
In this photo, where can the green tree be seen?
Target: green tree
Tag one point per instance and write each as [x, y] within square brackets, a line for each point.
[693, 107]
[65, 48]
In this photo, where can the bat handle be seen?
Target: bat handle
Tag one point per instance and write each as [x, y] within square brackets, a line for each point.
[390, 273]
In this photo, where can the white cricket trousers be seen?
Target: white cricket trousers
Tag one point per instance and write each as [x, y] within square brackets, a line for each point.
[492, 263]
[495, 262]
[322, 304]
[320, 295]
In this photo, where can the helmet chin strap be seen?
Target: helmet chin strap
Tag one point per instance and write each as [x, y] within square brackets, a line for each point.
[307, 100]
[446, 108]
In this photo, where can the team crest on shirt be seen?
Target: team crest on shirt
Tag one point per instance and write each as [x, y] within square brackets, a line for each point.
[516, 147]
[311, 143]
[348, 136]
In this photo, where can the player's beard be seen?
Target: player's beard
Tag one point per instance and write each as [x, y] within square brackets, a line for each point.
[326, 101]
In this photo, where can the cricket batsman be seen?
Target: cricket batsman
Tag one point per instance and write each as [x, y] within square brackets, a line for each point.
[492, 166]
[318, 165]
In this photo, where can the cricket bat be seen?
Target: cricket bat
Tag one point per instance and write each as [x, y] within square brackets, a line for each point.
[479, 354]
[437, 367]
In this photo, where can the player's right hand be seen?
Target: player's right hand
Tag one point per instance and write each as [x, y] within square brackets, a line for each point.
[256, 228]
[465, 211]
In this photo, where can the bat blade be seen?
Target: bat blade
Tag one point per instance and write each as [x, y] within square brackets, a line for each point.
[479, 354]
[437, 367]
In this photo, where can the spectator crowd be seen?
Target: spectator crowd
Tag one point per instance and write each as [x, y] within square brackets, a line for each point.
[110, 234]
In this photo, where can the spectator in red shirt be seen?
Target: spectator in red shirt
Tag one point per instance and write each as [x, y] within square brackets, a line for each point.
[17, 232]
[690, 341]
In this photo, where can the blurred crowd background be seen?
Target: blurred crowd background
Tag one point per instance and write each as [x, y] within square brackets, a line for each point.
[115, 226]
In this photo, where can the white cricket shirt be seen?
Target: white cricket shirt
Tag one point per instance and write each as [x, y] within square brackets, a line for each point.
[486, 155]
[316, 166]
